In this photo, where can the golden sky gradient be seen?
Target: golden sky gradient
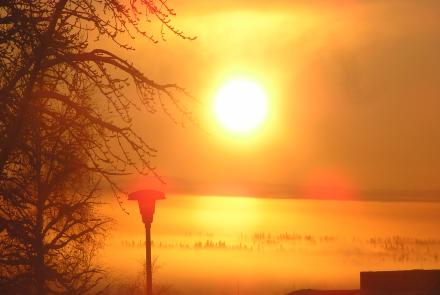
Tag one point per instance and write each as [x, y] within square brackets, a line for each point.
[353, 89]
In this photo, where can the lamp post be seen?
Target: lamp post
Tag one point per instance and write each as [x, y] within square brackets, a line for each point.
[146, 200]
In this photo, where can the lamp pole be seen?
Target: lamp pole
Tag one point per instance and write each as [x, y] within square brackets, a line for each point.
[146, 200]
[148, 265]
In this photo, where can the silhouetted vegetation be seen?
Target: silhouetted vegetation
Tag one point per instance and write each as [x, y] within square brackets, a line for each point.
[396, 248]
[51, 230]
[65, 125]
[50, 52]
[136, 285]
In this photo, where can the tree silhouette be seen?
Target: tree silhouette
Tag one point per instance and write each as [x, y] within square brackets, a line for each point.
[45, 41]
[51, 229]
[65, 124]
[136, 285]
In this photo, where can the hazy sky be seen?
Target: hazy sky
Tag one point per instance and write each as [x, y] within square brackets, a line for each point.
[354, 91]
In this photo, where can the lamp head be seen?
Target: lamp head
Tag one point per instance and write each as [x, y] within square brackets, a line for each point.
[146, 200]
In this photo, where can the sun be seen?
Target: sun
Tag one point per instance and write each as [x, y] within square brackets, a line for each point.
[240, 106]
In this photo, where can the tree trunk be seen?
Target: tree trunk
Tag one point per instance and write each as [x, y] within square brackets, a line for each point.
[39, 268]
[39, 249]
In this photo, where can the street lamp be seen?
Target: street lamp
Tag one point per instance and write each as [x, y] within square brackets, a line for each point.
[147, 200]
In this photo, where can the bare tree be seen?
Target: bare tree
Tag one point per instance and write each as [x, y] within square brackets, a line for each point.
[51, 229]
[136, 285]
[65, 124]
[47, 40]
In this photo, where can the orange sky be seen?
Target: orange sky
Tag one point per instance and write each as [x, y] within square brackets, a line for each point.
[353, 88]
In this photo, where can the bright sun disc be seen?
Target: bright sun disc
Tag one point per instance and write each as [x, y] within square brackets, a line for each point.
[240, 106]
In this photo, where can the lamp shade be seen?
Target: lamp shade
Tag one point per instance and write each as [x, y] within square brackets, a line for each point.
[146, 200]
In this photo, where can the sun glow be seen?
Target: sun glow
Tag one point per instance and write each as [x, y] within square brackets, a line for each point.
[240, 106]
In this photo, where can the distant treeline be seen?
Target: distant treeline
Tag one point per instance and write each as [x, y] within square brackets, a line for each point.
[393, 248]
